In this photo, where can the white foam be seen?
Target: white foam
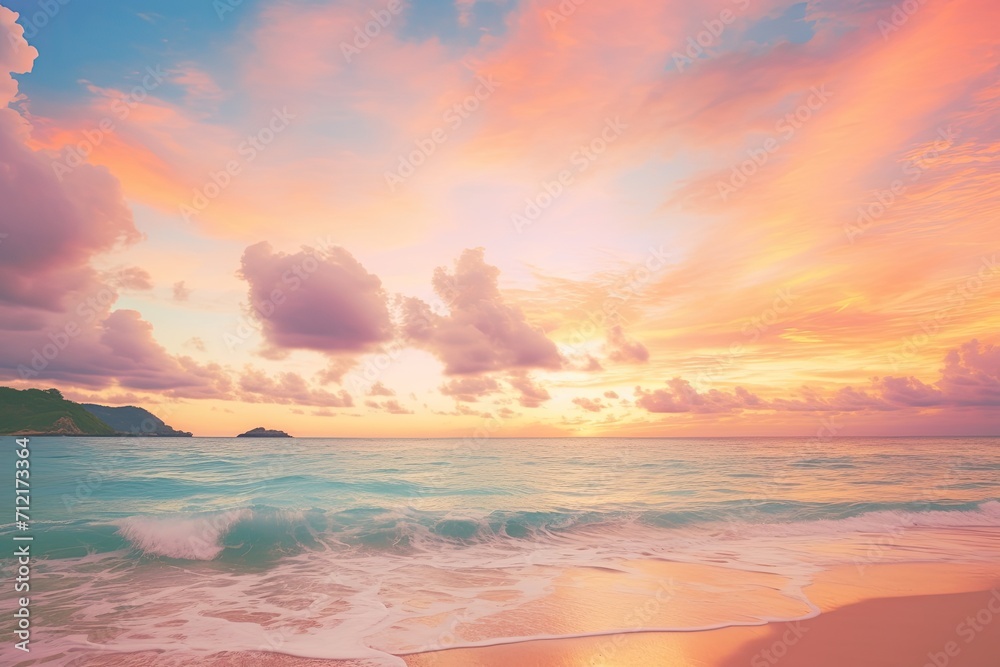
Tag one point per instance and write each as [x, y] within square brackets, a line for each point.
[192, 537]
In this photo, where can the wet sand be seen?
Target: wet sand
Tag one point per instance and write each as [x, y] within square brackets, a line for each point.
[886, 632]
[877, 616]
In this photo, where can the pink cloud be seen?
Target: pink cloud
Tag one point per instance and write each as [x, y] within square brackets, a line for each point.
[16, 56]
[180, 291]
[470, 389]
[845, 399]
[532, 394]
[969, 378]
[103, 349]
[307, 300]
[590, 405]
[393, 407]
[971, 374]
[335, 370]
[680, 396]
[622, 349]
[133, 278]
[379, 389]
[482, 332]
[908, 391]
[256, 386]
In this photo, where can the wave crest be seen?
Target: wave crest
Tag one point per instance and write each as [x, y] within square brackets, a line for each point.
[261, 533]
[190, 537]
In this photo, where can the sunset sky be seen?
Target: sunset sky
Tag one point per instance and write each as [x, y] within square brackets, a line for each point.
[506, 217]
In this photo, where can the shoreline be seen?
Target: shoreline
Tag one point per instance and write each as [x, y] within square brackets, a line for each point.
[907, 631]
[881, 615]
[888, 614]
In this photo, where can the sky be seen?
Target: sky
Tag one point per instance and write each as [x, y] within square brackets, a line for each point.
[481, 218]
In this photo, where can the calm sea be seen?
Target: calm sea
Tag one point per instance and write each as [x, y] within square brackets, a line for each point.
[367, 549]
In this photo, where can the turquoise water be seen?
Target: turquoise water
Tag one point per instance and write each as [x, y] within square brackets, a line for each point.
[368, 549]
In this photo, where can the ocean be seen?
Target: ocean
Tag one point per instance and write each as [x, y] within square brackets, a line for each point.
[369, 549]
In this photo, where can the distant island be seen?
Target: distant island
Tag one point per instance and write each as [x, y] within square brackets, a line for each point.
[261, 432]
[42, 412]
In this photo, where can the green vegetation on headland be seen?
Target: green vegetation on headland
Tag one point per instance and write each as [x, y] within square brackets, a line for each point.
[46, 412]
[132, 420]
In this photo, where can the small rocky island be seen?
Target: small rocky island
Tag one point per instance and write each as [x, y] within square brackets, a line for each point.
[261, 432]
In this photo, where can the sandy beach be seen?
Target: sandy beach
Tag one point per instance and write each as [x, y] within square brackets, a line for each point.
[884, 632]
[910, 615]
[883, 616]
